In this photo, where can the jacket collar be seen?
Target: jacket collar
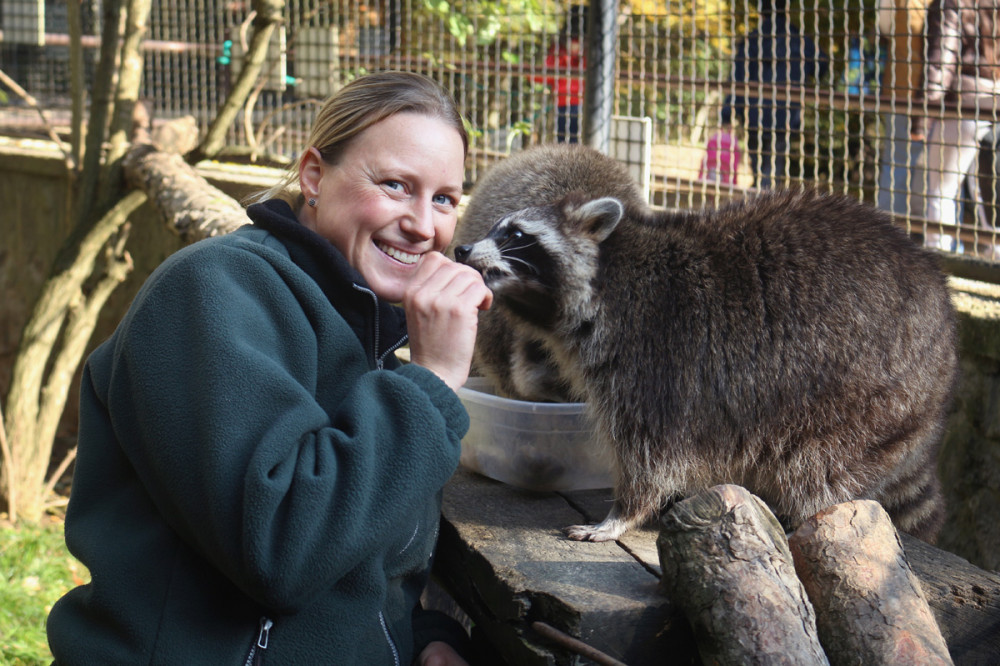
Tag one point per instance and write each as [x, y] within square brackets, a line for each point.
[380, 326]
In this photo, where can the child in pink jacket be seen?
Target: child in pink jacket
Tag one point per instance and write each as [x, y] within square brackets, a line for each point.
[722, 157]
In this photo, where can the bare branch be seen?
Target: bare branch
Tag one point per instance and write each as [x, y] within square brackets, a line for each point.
[100, 104]
[188, 204]
[267, 19]
[33, 103]
[80, 324]
[8, 468]
[50, 487]
[126, 95]
[77, 88]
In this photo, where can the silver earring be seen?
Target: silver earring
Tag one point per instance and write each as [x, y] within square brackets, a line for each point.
[312, 203]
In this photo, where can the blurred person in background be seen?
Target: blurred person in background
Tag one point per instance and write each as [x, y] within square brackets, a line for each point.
[777, 54]
[962, 68]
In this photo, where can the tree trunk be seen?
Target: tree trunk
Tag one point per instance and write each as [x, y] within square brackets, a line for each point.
[726, 563]
[869, 605]
[36, 400]
[57, 332]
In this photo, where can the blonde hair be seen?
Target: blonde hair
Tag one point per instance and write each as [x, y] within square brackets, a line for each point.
[359, 105]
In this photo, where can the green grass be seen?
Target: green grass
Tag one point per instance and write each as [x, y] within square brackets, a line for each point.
[35, 570]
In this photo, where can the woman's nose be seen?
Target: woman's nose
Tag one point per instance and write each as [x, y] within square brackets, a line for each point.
[419, 220]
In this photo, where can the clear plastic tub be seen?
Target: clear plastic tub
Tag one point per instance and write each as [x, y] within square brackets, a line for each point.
[532, 445]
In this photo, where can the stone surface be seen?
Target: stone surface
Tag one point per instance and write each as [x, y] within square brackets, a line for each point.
[503, 556]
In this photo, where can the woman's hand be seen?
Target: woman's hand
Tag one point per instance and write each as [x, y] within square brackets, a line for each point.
[442, 306]
[438, 653]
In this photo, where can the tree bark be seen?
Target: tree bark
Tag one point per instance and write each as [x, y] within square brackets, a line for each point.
[725, 561]
[188, 204]
[31, 394]
[869, 605]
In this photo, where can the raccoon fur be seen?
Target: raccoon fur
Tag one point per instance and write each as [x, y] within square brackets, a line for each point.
[517, 364]
[796, 344]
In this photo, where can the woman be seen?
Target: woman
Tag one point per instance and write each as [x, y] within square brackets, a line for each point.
[963, 65]
[257, 474]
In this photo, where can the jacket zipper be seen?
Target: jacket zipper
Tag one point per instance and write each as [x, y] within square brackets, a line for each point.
[256, 656]
[388, 639]
[379, 360]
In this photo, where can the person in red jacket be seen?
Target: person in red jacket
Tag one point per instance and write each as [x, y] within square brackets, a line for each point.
[566, 57]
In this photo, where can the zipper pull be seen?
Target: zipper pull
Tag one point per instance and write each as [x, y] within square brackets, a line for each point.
[262, 639]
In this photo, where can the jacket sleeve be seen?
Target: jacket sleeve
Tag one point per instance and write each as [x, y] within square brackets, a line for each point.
[433, 625]
[247, 407]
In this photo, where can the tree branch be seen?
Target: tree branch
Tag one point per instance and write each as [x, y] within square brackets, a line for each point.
[33, 103]
[105, 78]
[188, 204]
[126, 95]
[80, 324]
[267, 19]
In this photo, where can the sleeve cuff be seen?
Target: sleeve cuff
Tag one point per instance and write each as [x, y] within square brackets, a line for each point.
[446, 400]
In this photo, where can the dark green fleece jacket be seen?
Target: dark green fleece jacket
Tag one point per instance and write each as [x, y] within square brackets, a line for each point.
[255, 467]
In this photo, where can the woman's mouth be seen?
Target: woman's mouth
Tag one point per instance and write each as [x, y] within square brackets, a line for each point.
[398, 255]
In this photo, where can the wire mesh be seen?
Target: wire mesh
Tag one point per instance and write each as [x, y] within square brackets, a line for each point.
[737, 95]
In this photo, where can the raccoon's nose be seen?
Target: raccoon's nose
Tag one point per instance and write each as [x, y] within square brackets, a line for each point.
[462, 253]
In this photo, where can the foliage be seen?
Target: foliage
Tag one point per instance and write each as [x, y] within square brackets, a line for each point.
[35, 570]
[488, 20]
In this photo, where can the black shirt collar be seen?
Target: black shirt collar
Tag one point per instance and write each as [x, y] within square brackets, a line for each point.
[343, 285]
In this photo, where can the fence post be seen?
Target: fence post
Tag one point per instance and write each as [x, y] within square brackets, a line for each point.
[599, 83]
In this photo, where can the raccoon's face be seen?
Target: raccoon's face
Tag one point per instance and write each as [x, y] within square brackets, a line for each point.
[536, 259]
[515, 264]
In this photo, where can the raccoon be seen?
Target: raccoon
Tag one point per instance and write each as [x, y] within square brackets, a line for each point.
[517, 364]
[795, 343]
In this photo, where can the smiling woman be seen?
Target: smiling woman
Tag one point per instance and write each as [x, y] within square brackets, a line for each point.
[256, 470]
[380, 205]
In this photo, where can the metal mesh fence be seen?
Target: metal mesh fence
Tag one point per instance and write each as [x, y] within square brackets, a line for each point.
[712, 98]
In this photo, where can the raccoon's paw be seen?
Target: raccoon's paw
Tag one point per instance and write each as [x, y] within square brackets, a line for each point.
[604, 531]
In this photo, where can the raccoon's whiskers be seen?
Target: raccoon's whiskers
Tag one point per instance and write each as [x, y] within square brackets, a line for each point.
[504, 247]
[533, 269]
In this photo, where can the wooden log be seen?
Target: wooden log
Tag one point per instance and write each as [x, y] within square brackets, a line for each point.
[965, 600]
[869, 605]
[189, 205]
[726, 562]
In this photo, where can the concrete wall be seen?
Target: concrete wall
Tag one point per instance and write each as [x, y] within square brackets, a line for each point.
[970, 452]
[32, 196]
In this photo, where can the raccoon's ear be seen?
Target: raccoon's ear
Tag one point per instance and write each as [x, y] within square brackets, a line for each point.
[597, 218]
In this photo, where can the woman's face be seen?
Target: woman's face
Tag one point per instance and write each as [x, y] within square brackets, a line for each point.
[391, 198]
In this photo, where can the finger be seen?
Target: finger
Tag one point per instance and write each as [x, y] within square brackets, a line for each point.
[449, 279]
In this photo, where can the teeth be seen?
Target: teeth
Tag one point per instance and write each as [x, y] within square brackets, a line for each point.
[399, 255]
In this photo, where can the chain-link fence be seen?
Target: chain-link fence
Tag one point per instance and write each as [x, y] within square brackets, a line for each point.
[709, 98]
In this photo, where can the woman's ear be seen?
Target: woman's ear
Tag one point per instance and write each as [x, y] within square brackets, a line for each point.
[311, 168]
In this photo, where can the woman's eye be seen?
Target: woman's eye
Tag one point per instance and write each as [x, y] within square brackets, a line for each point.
[394, 185]
[445, 200]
